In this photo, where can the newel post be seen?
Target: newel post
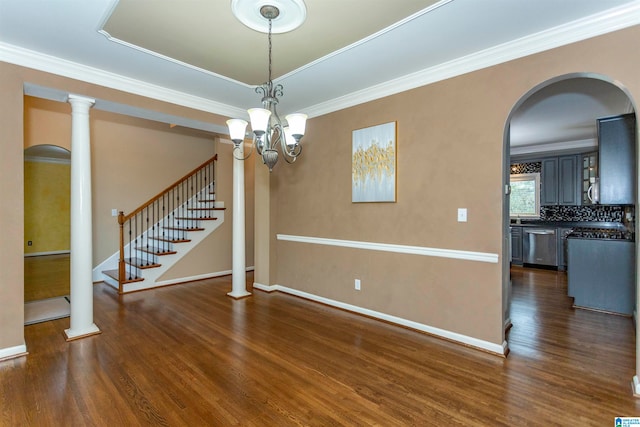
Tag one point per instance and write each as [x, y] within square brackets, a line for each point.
[121, 265]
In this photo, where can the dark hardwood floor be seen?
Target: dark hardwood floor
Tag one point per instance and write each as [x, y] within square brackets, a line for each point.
[190, 355]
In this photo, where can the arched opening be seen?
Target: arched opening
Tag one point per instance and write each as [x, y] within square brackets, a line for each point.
[47, 177]
[557, 119]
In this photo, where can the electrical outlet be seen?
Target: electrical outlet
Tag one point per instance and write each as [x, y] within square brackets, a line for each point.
[357, 284]
[29, 243]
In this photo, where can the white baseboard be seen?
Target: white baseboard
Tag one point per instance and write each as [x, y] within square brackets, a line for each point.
[11, 352]
[265, 288]
[139, 286]
[47, 253]
[499, 349]
[192, 278]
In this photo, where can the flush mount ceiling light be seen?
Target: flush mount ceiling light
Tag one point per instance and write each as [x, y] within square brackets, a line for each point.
[268, 130]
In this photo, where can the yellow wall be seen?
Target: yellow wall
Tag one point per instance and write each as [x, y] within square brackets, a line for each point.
[46, 206]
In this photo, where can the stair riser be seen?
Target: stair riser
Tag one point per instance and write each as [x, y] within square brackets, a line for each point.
[189, 218]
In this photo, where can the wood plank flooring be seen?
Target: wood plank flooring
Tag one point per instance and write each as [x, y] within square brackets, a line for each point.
[190, 355]
[46, 276]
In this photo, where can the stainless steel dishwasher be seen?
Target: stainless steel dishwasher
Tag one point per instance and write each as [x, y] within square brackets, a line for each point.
[540, 246]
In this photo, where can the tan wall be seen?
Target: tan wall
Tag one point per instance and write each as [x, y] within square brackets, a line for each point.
[215, 253]
[123, 149]
[450, 155]
[11, 209]
[47, 202]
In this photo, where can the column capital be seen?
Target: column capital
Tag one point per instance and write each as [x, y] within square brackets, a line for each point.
[80, 100]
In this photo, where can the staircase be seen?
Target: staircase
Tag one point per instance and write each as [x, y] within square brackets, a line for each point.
[161, 231]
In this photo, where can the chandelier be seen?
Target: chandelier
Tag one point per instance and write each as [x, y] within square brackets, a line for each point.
[269, 132]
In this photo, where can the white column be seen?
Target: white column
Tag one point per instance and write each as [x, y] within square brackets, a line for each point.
[81, 231]
[239, 270]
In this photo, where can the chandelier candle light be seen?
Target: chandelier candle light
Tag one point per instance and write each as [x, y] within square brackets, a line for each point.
[269, 132]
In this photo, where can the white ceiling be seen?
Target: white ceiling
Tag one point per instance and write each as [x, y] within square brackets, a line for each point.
[439, 41]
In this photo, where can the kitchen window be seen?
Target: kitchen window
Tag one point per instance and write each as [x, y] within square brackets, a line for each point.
[524, 201]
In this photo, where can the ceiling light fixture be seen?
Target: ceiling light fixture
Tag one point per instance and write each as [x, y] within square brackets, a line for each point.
[269, 131]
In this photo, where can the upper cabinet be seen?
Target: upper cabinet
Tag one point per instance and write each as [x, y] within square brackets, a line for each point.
[561, 180]
[589, 174]
[549, 177]
[617, 165]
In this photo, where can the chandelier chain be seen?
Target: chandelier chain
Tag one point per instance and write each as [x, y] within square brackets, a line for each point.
[270, 24]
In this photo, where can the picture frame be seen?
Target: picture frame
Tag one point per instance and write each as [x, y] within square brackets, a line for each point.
[373, 164]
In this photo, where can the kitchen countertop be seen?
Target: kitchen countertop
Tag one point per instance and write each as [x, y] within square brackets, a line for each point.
[567, 224]
[619, 230]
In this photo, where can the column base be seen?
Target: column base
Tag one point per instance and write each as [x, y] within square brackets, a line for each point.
[239, 295]
[72, 335]
[635, 386]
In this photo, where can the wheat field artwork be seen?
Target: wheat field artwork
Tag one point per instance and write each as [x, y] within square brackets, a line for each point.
[373, 164]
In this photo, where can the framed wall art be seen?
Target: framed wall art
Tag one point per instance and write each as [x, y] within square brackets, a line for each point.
[373, 164]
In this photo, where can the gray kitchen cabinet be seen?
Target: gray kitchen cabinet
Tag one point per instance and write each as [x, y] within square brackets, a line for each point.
[516, 245]
[549, 177]
[589, 166]
[562, 247]
[568, 180]
[561, 183]
[617, 159]
[601, 274]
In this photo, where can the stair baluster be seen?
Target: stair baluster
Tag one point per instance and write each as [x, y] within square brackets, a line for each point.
[160, 222]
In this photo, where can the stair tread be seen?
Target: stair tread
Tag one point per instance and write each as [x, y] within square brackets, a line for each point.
[141, 263]
[156, 251]
[114, 275]
[206, 200]
[167, 239]
[206, 209]
[184, 228]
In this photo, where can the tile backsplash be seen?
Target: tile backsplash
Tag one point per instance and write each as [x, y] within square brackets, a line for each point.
[597, 213]
[582, 213]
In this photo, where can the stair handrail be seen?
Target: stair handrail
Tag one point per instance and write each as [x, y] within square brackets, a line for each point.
[122, 218]
[163, 192]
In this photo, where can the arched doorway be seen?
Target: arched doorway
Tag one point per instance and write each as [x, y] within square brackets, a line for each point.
[47, 176]
[558, 117]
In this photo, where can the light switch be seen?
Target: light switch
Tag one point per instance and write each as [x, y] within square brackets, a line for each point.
[462, 214]
[114, 212]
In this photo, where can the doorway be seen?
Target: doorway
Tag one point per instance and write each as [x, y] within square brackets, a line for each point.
[47, 178]
[556, 118]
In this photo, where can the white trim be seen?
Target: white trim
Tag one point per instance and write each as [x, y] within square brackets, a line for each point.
[177, 281]
[48, 253]
[635, 384]
[452, 336]
[265, 288]
[192, 278]
[11, 352]
[387, 247]
[609, 21]
[51, 64]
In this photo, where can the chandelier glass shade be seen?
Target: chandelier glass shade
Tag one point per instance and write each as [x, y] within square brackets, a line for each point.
[271, 135]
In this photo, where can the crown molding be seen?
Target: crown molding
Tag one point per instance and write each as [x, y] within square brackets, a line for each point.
[592, 26]
[51, 64]
[583, 144]
[612, 20]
